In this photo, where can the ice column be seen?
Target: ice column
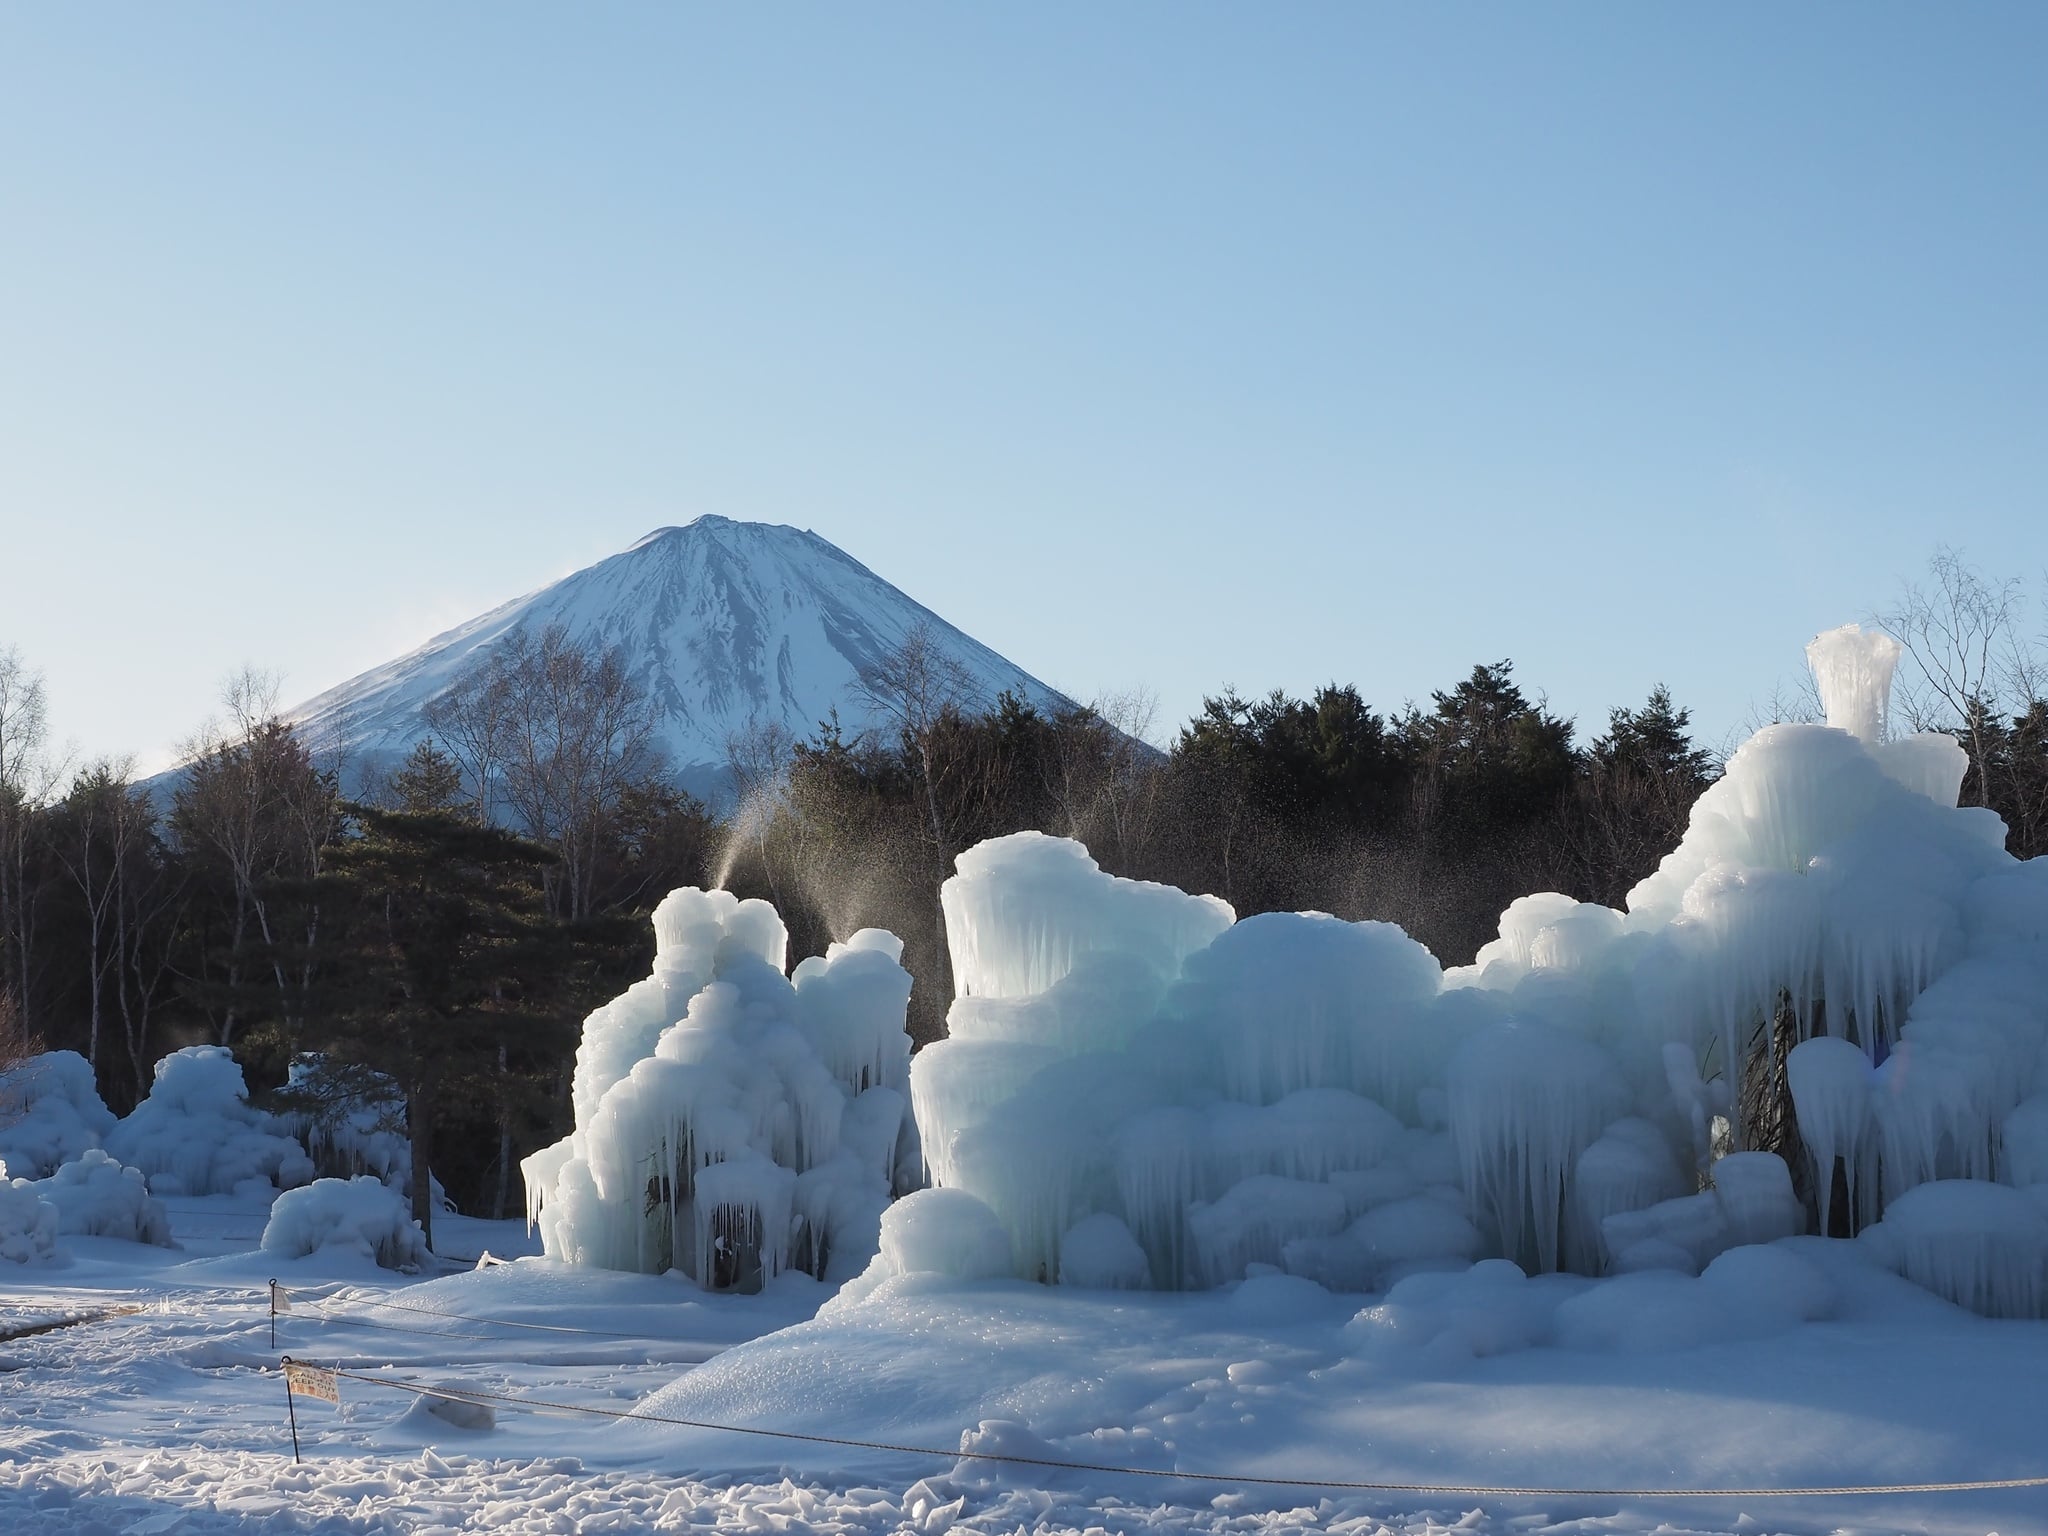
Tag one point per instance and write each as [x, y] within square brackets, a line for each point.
[1854, 666]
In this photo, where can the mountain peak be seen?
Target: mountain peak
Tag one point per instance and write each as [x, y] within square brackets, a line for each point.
[708, 522]
[739, 624]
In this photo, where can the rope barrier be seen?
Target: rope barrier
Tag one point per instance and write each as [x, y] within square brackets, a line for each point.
[327, 1302]
[477, 1397]
[501, 1322]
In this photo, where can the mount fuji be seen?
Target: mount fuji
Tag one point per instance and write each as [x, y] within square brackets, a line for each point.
[722, 624]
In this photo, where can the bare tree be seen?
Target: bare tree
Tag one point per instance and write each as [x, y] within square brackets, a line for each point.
[1961, 634]
[912, 689]
[1129, 790]
[92, 845]
[254, 800]
[472, 719]
[560, 733]
[758, 756]
[28, 778]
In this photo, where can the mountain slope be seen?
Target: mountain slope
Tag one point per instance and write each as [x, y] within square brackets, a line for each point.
[722, 623]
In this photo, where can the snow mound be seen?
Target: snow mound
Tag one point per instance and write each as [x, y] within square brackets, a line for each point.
[28, 1224]
[197, 1133]
[50, 1113]
[1836, 963]
[359, 1215]
[733, 1121]
[97, 1197]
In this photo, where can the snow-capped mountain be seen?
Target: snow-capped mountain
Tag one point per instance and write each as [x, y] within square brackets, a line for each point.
[723, 624]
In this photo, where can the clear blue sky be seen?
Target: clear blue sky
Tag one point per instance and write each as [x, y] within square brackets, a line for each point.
[1179, 345]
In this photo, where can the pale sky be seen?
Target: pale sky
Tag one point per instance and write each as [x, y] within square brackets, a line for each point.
[1176, 345]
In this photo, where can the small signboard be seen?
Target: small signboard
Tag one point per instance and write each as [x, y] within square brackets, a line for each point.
[312, 1381]
[280, 1301]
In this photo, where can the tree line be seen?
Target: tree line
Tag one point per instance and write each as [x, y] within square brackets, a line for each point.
[436, 933]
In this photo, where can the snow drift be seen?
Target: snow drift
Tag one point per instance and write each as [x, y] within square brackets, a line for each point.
[1598, 1092]
[733, 1121]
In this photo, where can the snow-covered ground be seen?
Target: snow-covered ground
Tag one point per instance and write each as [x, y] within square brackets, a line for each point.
[172, 1419]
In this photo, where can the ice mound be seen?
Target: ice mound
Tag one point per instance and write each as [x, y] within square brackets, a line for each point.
[1982, 1246]
[1101, 1254]
[28, 1224]
[197, 1133]
[50, 1113]
[1832, 992]
[731, 1121]
[96, 1197]
[359, 1215]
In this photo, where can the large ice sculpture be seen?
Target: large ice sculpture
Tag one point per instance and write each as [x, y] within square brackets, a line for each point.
[731, 1121]
[1601, 1090]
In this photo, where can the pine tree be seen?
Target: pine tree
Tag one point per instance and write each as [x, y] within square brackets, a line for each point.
[443, 965]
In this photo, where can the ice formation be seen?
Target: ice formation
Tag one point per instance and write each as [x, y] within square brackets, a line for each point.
[1601, 1091]
[733, 1121]
[361, 1215]
[95, 1196]
[50, 1113]
[197, 1133]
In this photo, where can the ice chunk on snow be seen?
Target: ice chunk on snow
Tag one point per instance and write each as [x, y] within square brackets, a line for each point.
[937, 1232]
[360, 1215]
[197, 1133]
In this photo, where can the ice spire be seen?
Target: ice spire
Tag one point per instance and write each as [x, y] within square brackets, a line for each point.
[1854, 668]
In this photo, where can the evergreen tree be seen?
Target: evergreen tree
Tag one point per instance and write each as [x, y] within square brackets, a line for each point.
[442, 967]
